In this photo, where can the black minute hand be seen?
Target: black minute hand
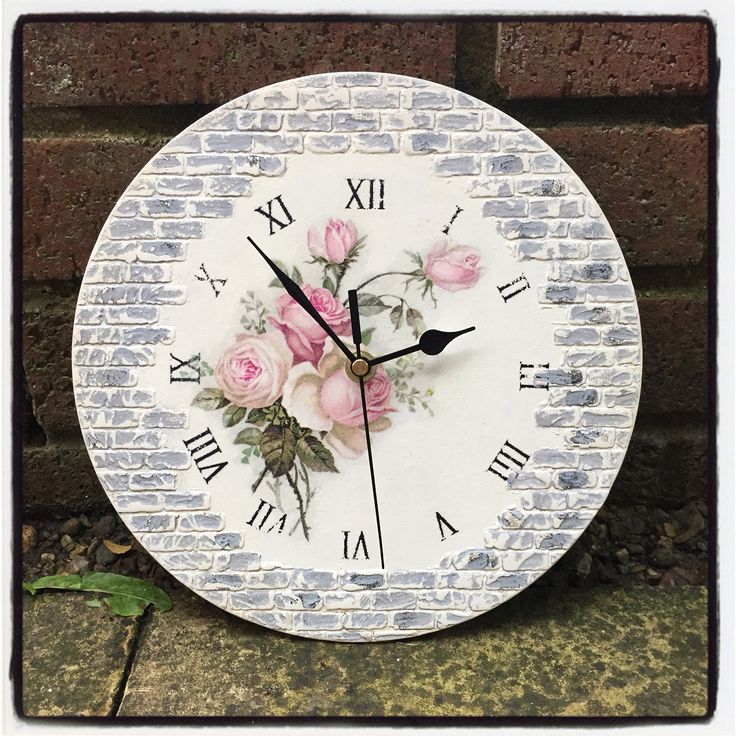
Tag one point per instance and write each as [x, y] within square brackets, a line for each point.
[431, 342]
[293, 290]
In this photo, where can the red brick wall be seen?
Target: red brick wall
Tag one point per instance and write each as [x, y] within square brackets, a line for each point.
[625, 103]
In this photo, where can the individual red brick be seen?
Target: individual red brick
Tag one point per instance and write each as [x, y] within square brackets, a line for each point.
[609, 59]
[69, 187]
[675, 338]
[651, 183]
[58, 481]
[664, 467]
[47, 339]
[71, 64]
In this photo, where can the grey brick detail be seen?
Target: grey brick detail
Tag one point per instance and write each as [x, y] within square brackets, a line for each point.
[131, 502]
[220, 581]
[187, 230]
[526, 560]
[201, 522]
[413, 620]
[427, 142]
[247, 120]
[267, 579]
[545, 500]
[405, 120]
[276, 143]
[515, 229]
[304, 121]
[411, 579]
[317, 620]
[560, 377]
[590, 230]
[463, 580]
[529, 479]
[170, 542]
[377, 99]
[301, 600]
[327, 143]
[555, 540]
[556, 417]
[239, 561]
[505, 208]
[591, 437]
[344, 601]
[375, 142]
[567, 479]
[591, 315]
[324, 99]
[475, 142]
[313, 580]
[366, 620]
[456, 164]
[259, 164]
[441, 599]
[191, 501]
[186, 560]
[476, 559]
[163, 418]
[460, 120]
[211, 208]
[151, 522]
[582, 397]
[227, 142]
[393, 599]
[357, 79]
[621, 336]
[513, 581]
[261, 599]
[351, 122]
[222, 541]
[210, 163]
[362, 581]
[558, 294]
[179, 185]
[146, 480]
[548, 250]
[577, 336]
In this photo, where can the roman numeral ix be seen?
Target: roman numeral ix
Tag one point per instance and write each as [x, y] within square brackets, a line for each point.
[508, 456]
[532, 380]
[264, 513]
[202, 447]
[181, 371]
[360, 547]
[374, 189]
[280, 218]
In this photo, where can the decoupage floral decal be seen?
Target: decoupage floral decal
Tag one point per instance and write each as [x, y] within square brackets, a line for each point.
[285, 381]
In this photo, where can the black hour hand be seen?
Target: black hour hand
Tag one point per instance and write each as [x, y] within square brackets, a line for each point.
[431, 342]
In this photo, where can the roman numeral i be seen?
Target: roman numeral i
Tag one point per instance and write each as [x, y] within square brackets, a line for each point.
[202, 447]
[280, 218]
[373, 189]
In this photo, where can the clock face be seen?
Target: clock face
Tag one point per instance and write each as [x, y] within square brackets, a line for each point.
[229, 427]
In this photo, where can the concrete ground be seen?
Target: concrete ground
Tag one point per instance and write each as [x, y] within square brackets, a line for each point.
[548, 652]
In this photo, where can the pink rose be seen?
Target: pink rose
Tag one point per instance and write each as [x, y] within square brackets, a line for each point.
[453, 268]
[325, 399]
[253, 370]
[304, 336]
[339, 238]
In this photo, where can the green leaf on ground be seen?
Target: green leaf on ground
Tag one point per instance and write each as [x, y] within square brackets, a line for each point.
[128, 596]
[210, 399]
[315, 455]
[278, 447]
[233, 414]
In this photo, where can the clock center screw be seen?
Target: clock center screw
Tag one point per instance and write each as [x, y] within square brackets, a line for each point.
[360, 368]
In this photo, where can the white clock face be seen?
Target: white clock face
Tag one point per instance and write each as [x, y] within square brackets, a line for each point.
[226, 424]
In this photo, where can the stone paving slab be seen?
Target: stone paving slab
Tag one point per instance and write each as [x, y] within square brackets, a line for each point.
[74, 656]
[603, 652]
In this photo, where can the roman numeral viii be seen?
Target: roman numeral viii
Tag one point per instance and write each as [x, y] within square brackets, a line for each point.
[202, 447]
[359, 548]
[367, 194]
[508, 456]
[276, 213]
[181, 371]
[263, 514]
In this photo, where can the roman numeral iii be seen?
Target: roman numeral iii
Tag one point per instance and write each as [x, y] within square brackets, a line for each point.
[356, 551]
[528, 378]
[202, 447]
[181, 371]
[263, 515]
[276, 213]
[367, 194]
[507, 457]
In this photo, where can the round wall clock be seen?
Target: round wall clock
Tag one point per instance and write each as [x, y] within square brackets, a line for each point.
[356, 357]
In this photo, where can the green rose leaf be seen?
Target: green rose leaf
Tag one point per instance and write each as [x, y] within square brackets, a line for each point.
[396, 316]
[367, 335]
[210, 399]
[315, 455]
[370, 304]
[257, 416]
[297, 276]
[329, 284]
[415, 320]
[278, 447]
[233, 414]
[249, 436]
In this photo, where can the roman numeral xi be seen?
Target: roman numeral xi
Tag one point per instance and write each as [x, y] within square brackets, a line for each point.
[367, 194]
[507, 457]
[202, 447]
[276, 213]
